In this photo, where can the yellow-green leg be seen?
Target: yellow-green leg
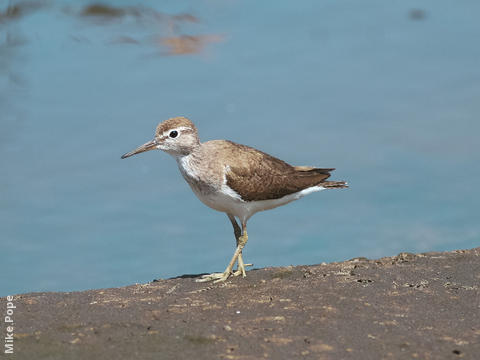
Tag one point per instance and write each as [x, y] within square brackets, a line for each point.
[241, 237]
[238, 233]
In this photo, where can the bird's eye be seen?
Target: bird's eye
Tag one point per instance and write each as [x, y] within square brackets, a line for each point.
[173, 134]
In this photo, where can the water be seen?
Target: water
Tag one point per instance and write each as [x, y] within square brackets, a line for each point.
[388, 93]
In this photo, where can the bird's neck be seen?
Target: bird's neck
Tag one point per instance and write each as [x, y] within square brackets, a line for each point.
[183, 152]
[187, 163]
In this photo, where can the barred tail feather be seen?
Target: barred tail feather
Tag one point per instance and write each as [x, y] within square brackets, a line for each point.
[334, 184]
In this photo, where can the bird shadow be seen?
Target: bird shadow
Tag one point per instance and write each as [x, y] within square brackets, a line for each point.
[188, 276]
[184, 276]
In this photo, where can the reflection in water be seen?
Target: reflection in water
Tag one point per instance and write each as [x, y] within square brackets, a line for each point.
[172, 38]
[125, 40]
[175, 42]
[11, 36]
[12, 78]
[417, 14]
[15, 11]
[105, 11]
[184, 44]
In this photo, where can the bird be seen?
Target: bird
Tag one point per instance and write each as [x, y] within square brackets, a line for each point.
[235, 179]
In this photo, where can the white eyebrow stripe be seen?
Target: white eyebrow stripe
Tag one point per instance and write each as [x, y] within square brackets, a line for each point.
[179, 129]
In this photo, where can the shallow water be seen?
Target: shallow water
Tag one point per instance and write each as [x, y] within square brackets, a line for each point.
[386, 93]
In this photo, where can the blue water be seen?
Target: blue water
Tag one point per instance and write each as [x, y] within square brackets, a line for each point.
[386, 92]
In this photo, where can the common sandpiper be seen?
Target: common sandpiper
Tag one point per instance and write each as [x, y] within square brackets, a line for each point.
[235, 179]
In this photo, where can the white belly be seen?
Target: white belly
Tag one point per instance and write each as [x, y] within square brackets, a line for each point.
[226, 202]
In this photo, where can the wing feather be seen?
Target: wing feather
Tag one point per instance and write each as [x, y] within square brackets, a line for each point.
[255, 175]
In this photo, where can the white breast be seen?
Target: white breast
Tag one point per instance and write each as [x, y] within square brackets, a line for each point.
[214, 194]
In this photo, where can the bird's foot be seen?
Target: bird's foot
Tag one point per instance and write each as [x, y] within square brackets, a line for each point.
[219, 277]
[241, 270]
[237, 257]
[215, 277]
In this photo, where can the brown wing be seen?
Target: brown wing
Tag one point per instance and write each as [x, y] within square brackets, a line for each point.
[255, 175]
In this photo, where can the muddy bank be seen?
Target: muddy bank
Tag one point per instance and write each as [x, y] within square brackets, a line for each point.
[424, 306]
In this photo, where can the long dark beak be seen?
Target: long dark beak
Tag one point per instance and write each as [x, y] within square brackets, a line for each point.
[145, 147]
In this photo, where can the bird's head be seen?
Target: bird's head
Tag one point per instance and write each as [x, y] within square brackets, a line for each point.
[176, 136]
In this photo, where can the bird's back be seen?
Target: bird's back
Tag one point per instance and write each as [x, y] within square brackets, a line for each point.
[255, 175]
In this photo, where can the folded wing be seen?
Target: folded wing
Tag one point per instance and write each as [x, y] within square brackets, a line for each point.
[260, 176]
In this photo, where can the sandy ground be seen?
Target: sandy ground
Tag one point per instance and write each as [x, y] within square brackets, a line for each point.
[424, 306]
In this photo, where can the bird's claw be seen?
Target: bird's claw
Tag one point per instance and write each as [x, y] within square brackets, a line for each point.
[215, 277]
[219, 277]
